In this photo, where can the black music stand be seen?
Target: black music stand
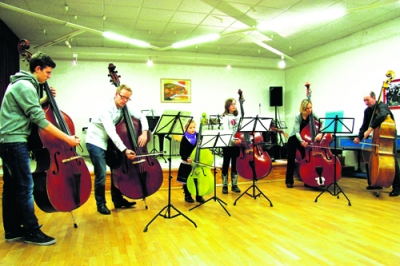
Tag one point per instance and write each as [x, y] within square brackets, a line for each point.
[247, 125]
[214, 139]
[171, 124]
[215, 120]
[336, 188]
[152, 120]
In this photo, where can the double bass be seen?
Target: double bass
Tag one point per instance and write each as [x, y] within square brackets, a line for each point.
[317, 168]
[62, 179]
[201, 180]
[381, 167]
[253, 160]
[141, 177]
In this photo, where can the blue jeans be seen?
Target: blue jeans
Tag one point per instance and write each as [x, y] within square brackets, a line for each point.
[18, 206]
[98, 158]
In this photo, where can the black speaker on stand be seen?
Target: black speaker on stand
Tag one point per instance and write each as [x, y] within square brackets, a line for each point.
[275, 100]
[275, 97]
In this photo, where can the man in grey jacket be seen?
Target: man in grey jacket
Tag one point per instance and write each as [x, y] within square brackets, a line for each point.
[20, 109]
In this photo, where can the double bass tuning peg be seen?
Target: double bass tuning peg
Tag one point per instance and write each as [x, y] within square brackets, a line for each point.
[390, 74]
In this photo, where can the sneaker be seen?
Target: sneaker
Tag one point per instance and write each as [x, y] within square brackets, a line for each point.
[15, 236]
[37, 237]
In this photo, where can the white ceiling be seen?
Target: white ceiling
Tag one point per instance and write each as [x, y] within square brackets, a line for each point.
[47, 24]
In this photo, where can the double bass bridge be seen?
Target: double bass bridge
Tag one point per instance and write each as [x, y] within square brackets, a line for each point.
[72, 159]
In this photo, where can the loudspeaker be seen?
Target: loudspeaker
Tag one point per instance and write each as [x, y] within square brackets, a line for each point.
[275, 96]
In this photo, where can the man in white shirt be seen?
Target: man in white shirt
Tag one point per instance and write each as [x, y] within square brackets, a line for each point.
[101, 128]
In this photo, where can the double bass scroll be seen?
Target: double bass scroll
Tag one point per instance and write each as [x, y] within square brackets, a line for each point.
[381, 167]
[62, 179]
[201, 180]
[253, 160]
[143, 176]
[317, 168]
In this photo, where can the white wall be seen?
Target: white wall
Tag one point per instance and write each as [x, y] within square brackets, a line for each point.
[339, 80]
[339, 73]
[82, 88]
[342, 71]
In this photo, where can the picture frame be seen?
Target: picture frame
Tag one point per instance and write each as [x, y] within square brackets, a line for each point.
[392, 95]
[176, 90]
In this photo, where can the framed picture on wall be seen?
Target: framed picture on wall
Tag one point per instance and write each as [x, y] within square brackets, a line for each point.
[176, 90]
[392, 94]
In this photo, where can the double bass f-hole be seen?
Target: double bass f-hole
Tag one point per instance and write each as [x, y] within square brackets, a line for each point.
[381, 167]
[252, 161]
[317, 167]
[62, 179]
[143, 176]
[200, 182]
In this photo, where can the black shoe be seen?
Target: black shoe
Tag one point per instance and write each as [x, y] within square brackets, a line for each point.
[103, 209]
[373, 187]
[19, 234]
[289, 185]
[224, 189]
[37, 237]
[188, 198]
[124, 204]
[200, 199]
[235, 188]
[395, 192]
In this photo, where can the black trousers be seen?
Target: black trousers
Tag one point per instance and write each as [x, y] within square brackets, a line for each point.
[293, 145]
[229, 155]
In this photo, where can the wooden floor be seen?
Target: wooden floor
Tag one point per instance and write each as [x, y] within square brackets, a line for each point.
[295, 231]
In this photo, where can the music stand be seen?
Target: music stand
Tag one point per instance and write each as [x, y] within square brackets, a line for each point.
[247, 125]
[170, 123]
[152, 119]
[213, 139]
[215, 120]
[152, 123]
[336, 188]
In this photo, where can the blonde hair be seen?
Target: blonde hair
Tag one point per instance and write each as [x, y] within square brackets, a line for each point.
[123, 87]
[189, 122]
[303, 105]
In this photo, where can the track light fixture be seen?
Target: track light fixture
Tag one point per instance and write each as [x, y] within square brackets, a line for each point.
[198, 40]
[75, 59]
[121, 38]
[68, 44]
[282, 63]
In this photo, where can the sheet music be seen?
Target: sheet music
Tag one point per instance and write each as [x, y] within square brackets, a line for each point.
[247, 124]
[167, 121]
[210, 139]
